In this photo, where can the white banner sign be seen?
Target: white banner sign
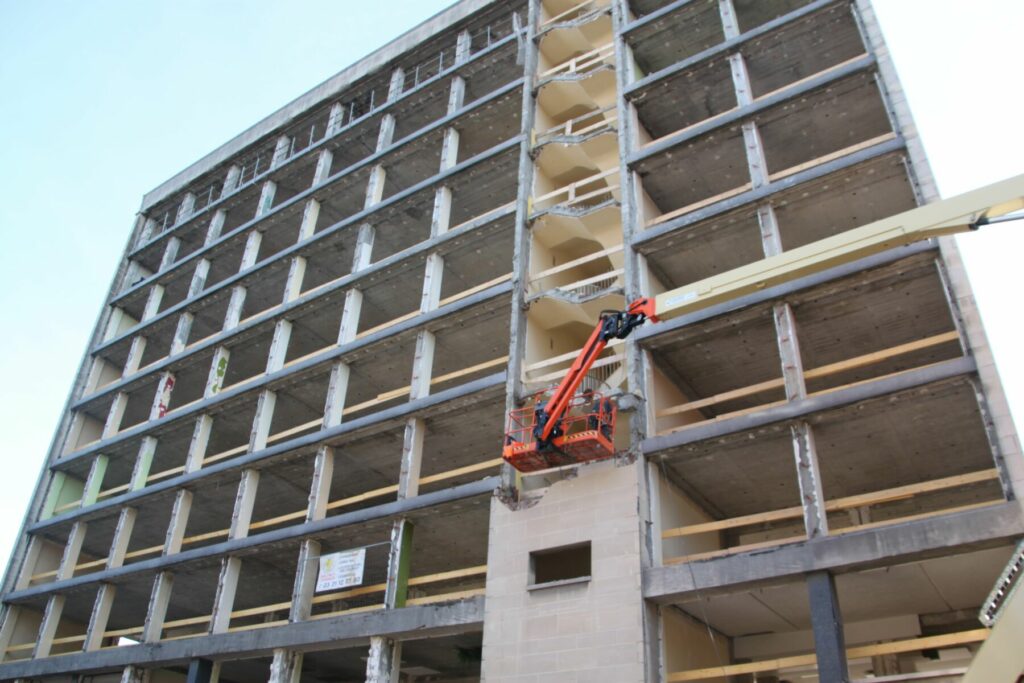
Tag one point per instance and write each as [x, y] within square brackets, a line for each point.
[339, 570]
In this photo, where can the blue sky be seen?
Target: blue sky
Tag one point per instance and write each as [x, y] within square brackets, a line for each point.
[102, 101]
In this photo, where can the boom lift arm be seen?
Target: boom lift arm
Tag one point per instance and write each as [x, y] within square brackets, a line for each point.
[962, 213]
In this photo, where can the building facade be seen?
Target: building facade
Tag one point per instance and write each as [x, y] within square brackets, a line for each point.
[316, 332]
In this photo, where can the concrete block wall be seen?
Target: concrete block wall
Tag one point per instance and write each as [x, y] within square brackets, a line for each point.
[590, 631]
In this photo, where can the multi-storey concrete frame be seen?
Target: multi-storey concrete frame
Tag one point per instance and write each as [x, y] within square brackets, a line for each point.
[315, 332]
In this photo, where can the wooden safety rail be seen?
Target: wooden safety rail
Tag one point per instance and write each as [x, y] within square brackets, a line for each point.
[861, 651]
[837, 505]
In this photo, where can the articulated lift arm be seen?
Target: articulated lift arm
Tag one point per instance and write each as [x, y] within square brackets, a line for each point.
[955, 215]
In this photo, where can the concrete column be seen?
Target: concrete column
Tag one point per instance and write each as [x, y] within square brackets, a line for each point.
[162, 398]
[181, 332]
[323, 167]
[134, 359]
[245, 499]
[335, 119]
[186, 208]
[178, 522]
[234, 312]
[170, 253]
[374, 187]
[384, 660]
[134, 674]
[227, 586]
[266, 200]
[199, 276]
[771, 241]
[261, 423]
[7, 624]
[337, 390]
[216, 226]
[28, 565]
[48, 627]
[115, 415]
[320, 486]
[521, 237]
[827, 622]
[730, 25]
[463, 46]
[286, 667]
[198, 443]
[293, 283]
[200, 671]
[156, 611]
[153, 299]
[122, 536]
[412, 458]
[218, 371]
[99, 617]
[117, 320]
[94, 480]
[231, 180]
[282, 151]
[279, 346]
[148, 230]
[308, 566]
[305, 581]
[72, 549]
[396, 85]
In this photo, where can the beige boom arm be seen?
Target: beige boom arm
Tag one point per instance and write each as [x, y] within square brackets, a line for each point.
[947, 217]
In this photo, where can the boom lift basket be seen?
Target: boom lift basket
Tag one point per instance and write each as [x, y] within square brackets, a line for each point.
[586, 433]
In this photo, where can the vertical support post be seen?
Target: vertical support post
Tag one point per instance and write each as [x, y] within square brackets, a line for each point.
[230, 180]
[153, 299]
[227, 586]
[156, 612]
[306, 573]
[98, 617]
[48, 627]
[827, 622]
[134, 359]
[162, 398]
[186, 208]
[521, 239]
[134, 674]
[122, 535]
[281, 148]
[170, 253]
[286, 666]
[199, 671]
[215, 228]
[335, 119]
[382, 664]
[97, 470]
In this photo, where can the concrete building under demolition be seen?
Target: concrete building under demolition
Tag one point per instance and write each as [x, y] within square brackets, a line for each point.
[316, 332]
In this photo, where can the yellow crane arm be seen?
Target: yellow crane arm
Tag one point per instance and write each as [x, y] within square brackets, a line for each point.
[947, 217]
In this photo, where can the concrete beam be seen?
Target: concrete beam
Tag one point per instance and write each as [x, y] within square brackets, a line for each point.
[277, 536]
[906, 542]
[766, 191]
[653, 446]
[273, 378]
[722, 48]
[653, 332]
[454, 396]
[800, 89]
[421, 621]
[377, 269]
